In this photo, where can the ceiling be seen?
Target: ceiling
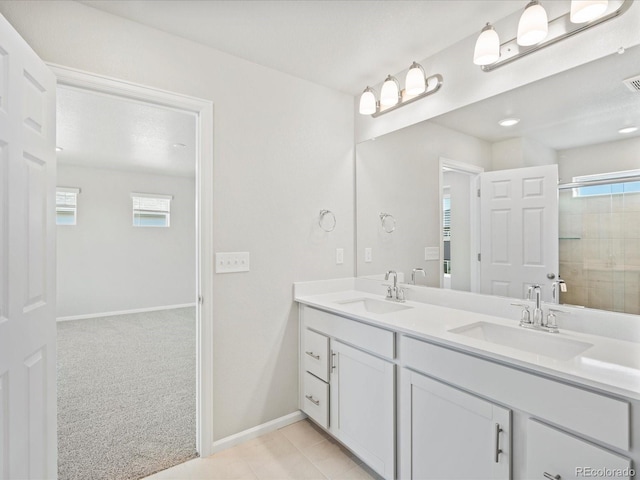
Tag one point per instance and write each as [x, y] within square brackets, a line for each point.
[342, 44]
[582, 106]
[104, 131]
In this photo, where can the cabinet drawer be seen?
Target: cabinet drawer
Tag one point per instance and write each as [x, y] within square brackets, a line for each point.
[551, 452]
[597, 416]
[316, 399]
[366, 337]
[316, 354]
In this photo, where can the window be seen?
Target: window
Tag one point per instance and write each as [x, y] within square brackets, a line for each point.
[624, 184]
[150, 210]
[66, 205]
[446, 217]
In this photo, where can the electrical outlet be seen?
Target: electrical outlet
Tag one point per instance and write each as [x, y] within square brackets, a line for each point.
[432, 253]
[339, 256]
[368, 255]
[229, 262]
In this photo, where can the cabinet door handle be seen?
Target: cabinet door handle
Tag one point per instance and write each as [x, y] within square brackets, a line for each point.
[498, 449]
[551, 477]
[333, 363]
[313, 355]
[312, 400]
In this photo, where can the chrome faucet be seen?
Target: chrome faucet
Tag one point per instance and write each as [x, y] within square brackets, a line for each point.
[554, 289]
[394, 293]
[537, 317]
[413, 274]
[536, 320]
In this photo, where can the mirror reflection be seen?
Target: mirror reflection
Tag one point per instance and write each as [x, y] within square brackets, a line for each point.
[585, 232]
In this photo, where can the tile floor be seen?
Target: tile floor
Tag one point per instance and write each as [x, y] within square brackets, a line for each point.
[300, 451]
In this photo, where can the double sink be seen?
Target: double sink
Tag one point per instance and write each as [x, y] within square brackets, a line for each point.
[540, 343]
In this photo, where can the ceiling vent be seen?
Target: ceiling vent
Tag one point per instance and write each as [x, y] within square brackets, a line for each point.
[633, 83]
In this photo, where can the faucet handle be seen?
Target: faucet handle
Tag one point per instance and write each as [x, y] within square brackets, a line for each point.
[525, 316]
[389, 293]
[551, 325]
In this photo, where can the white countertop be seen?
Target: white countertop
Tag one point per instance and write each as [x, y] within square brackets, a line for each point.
[610, 365]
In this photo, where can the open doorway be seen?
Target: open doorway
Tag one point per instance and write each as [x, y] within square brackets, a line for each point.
[459, 224]
[127, 285]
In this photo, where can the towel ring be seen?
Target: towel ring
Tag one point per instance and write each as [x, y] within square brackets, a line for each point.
[327, 220]
[388, 222]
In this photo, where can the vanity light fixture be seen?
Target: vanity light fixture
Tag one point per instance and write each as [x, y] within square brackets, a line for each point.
[417, 85]
[508, 122]
[536, 32]
[629, 129]
[533, 25]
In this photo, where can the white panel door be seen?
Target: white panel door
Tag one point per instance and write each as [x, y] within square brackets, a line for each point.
[519, 230]
[28, 447]
[362, 406]
[452, 434]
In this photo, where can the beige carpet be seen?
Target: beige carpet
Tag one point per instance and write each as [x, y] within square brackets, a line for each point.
[126, 394]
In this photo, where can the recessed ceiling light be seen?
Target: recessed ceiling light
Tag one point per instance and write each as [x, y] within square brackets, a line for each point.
[59, 149]
[179, 145]
[508, 122]
[628, 130]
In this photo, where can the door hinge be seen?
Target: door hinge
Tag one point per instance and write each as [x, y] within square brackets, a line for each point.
[478, 192]
[200, 300]
[479, 257]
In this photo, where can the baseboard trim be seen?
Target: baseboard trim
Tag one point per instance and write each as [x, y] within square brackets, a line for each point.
[124, 312]
[254, 432]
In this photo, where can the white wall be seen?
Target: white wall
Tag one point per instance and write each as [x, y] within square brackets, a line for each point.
[399, 174]
[107, 265]
[283, 150]
[521, 152]
[601, 158]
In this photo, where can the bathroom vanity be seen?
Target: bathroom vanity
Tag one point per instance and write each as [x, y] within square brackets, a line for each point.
[418, 390]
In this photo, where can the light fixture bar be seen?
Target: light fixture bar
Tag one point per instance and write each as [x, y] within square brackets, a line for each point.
[559, 29]
[434, 82]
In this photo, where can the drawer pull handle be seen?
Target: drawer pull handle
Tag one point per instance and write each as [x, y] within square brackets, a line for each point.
[552, 477]
[333, 358]
[498, 449]
[312, 400]
[313, 355]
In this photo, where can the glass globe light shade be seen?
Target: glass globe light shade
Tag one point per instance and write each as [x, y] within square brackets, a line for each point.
[533, 25]
[487, 50]
[415, 82]
[368, 102]
[389, 95]
[583, 11]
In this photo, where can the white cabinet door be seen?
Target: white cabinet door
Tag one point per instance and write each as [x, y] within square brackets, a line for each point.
[451, 434]
[553, 454]
[519, 230]
[28, 448]
[363, 406]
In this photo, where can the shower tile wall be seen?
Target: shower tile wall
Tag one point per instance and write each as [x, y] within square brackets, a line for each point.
[600, 251]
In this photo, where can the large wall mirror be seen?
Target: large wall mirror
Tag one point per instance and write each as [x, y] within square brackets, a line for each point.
[559, 192]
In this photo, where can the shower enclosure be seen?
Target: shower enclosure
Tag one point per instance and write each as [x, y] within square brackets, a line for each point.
[599, 244]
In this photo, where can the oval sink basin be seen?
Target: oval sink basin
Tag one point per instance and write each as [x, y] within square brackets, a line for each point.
[541, 343]
[372, 305]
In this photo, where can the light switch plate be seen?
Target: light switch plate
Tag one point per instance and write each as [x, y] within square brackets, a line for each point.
[368, 255]
[339, 256]
[432, 253]
[229, 262]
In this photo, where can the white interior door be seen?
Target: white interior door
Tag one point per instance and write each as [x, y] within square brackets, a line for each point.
[519, 230]
[28, 447]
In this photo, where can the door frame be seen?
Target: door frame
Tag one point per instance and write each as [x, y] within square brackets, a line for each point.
[473, 171]
[203, 110]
